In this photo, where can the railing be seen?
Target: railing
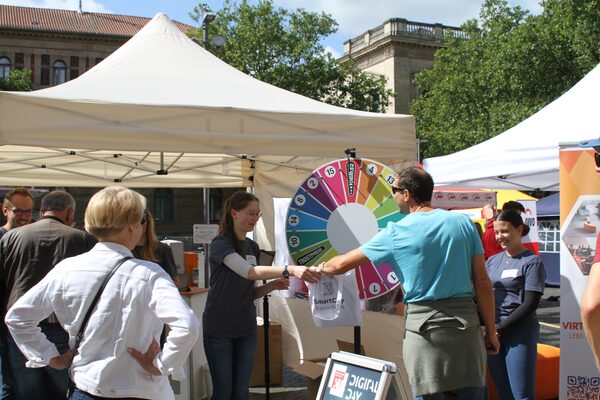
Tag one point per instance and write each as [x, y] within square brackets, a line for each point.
[402, 28]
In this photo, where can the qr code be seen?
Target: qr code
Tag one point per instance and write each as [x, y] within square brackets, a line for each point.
[328, 288]
[583, 388]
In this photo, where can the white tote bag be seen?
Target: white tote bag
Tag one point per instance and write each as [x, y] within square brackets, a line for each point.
[334, 301]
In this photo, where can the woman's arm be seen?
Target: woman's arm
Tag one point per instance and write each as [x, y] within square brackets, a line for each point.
[242, 267]
[277, 284]
[590, 311]
[22, 321]
[528, 307]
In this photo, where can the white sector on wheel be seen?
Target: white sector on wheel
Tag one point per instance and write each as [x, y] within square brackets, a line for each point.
[350, 226]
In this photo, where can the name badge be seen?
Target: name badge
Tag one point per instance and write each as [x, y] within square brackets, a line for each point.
[251, 260]
[509, 273]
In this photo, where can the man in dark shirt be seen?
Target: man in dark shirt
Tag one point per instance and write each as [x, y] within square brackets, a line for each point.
[17, 208]
[27, 254]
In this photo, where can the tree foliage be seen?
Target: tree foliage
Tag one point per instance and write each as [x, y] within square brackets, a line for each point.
[19, 80]
[512, 65]
[283, 48]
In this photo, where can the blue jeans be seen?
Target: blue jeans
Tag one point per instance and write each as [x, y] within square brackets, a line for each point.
[513, 369]
[468, 393]
[230, 361]
[39, 383]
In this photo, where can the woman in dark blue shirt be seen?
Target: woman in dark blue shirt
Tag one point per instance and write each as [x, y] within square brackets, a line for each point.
[518, 277]
[229, 317]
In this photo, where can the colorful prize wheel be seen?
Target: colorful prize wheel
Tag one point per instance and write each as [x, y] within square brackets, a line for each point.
[340, 206]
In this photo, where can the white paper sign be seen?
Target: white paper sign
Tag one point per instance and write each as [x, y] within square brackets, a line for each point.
[204, 234]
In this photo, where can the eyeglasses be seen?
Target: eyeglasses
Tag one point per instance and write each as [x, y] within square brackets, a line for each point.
[144, 219]
[397, 189]
[253, 214]
[18, 211]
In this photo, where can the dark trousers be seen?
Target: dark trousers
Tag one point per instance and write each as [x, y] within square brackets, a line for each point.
[39, 383]
[6, 381]
[230, 362]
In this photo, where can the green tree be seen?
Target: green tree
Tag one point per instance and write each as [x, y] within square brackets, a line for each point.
[19, 80]
[283, 48]
[512, 65]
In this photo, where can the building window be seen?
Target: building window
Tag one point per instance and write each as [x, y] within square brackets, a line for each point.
[59, 72]
[4, 67]
[74, 64]
[549, 236]
[19, 60]
[45, 70]
[163, 205]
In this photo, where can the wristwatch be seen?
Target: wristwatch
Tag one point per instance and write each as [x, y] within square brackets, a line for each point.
[285, 273]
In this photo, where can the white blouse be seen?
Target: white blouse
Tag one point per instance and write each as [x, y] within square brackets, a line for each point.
[137, 301]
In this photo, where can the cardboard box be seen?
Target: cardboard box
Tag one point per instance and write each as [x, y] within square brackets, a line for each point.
[313, 371]
[275, 357]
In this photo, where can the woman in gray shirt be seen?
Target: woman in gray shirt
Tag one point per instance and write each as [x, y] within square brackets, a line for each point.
[518, 277]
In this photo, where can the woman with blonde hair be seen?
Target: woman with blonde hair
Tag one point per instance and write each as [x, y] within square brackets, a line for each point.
[116, 351]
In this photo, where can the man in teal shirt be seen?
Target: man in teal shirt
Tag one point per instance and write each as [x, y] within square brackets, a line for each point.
[438, 257]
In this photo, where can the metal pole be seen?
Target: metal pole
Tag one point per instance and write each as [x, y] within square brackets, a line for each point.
[205, 39]
[206, 201]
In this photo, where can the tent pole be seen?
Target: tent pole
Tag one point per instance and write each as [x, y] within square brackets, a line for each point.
[206, 203]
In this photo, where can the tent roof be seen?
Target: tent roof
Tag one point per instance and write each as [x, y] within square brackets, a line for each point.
[526, 155]
[162, 96]
[549, 206]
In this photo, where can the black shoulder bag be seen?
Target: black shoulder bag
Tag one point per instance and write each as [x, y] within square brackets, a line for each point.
[71, 386]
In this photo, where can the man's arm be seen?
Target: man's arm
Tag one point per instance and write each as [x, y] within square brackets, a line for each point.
[590, 311]
[485, 299]
[344, 262]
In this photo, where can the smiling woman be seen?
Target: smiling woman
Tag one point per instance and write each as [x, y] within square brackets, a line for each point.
[518, 277]
[230, 315]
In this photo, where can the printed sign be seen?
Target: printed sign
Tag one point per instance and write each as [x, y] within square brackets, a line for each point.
[204, 234]
[580, 227]
[354, 377]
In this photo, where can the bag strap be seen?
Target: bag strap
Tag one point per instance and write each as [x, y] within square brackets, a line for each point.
[94, 302]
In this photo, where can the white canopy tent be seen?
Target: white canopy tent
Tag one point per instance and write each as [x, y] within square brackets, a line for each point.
[163, 112]
[525, 157]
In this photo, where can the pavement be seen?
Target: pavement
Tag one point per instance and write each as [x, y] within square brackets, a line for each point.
[294, 385]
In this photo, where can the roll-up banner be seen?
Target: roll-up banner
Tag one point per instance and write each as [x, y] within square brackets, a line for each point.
[580, 227]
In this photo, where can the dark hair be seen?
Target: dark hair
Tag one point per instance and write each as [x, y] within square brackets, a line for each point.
[418, 182]
[57, 200]
[513, 217]
[513, 205]
[478, 229]
[237, 201]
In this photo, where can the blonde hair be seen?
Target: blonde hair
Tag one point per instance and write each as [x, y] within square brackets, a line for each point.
[112, 209]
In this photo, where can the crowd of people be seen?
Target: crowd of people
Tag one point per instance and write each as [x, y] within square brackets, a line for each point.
[85, 310]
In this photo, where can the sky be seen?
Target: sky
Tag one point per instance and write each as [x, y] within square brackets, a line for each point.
[353, 16]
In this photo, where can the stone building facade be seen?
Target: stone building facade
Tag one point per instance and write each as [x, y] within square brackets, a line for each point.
[398, 49]
[60, 45]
